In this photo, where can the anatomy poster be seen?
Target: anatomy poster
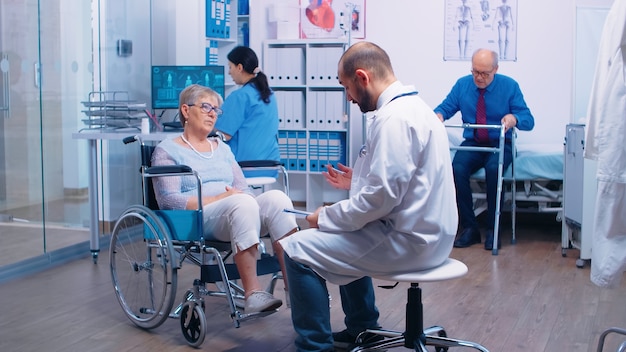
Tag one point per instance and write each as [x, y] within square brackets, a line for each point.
[332, 18]
[473, 24]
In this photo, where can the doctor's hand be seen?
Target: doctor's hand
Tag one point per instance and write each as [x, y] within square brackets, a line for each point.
[338, 178]
[313, 217]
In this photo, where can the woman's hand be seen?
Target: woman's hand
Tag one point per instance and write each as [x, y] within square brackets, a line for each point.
[340, 178]
[231, 191]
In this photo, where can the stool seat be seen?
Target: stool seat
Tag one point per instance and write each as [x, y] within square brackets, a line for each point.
[450, 269]
[415, 337]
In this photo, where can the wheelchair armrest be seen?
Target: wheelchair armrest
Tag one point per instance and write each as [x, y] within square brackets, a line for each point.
[258, 163]
[168, 169]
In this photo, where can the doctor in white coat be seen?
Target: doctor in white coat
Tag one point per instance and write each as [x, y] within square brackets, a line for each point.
[400, 216]
[606, 130]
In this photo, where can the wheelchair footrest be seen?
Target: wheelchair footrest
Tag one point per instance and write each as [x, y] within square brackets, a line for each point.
[266, 265]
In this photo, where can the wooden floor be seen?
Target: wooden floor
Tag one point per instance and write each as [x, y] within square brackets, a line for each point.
[528, 298]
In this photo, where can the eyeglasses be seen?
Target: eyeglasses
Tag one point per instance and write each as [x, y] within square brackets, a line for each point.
[484, 74]
[207, 108]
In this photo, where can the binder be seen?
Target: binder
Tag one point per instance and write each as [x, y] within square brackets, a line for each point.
[283, 149]
[332, 55]
[302, 155]
[292, 150]
[270, 65]
[288, 109]
[227, 19]
[295, 75]
[313, 59]
[321, 110]
[279, 95]
[334, 148]
[334, 109]
[311, 110]
[322, 154]
[313, 152]
[297, 102]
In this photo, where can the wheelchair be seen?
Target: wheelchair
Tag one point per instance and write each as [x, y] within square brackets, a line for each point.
[149, 246]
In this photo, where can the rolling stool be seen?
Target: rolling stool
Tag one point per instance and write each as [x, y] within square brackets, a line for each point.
[414, 336]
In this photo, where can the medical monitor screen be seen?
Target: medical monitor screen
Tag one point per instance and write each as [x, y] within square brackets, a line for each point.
[169, 81]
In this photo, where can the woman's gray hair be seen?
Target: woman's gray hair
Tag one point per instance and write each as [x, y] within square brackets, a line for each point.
[191, 94]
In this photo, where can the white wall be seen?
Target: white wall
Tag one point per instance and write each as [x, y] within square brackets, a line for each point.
[412, 32]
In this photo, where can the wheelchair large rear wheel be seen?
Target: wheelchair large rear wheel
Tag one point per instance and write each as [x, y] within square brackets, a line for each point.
[143, 267]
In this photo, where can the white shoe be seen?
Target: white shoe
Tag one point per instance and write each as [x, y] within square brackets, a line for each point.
[261, 301]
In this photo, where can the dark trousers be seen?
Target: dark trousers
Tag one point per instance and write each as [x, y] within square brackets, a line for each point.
[310, 312]
[465, 164]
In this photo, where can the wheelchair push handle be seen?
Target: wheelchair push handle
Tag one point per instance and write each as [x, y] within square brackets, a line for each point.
[130, 139]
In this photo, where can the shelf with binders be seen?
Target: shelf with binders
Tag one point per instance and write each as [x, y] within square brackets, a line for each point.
[321, 63]
[313, 127]
[221, 24]
[219, 15]
[310, 151]
[325, 109]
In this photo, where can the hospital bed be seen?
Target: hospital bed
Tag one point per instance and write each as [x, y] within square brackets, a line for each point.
[532, 183]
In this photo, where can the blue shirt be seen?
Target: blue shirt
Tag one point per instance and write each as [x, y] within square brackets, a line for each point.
[502, 96]
[252, 123]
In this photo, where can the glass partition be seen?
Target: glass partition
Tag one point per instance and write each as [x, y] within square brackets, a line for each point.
[45, 71]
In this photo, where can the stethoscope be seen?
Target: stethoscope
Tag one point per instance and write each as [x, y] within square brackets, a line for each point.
[363, 150]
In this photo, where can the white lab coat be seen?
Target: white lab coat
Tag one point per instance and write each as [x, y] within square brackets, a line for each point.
[606, 130]
[401, 215]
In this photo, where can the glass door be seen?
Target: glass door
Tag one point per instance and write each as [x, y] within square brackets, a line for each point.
[21, 232]
[45, 55]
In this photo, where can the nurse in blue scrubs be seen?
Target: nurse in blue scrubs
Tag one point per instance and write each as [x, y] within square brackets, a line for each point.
[250, 114]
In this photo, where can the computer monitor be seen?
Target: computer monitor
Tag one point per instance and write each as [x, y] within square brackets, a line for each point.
[169, 81]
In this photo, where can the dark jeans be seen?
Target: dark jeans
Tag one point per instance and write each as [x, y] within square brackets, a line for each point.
[465, 164]
[310, 310]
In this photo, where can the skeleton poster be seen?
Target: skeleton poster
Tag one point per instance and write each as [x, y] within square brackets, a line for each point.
[473, 24]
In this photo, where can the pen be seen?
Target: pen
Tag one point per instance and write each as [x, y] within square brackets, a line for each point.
[336, 170]
[297, 212]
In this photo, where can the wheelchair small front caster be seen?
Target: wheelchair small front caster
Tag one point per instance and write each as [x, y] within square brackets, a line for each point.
[193, 323]
[94, 256]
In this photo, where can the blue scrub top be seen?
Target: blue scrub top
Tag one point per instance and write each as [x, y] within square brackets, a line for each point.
[252, 123]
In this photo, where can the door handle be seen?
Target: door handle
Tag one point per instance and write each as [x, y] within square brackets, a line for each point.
[37, 74]
[6, 89]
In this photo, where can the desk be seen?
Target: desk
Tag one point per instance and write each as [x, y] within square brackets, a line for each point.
[93, 136]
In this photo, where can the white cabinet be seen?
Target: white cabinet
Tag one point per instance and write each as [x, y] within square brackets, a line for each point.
[315, 129]
[579, 194]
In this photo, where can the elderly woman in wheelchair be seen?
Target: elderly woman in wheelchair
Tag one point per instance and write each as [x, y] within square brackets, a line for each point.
[231, 213]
